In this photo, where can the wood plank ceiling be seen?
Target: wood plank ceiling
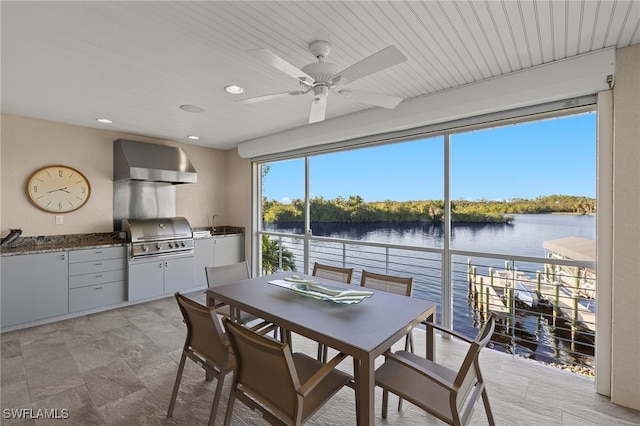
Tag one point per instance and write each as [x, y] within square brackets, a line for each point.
[137, 62]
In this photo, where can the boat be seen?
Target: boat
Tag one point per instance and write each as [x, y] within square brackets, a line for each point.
[525, 295]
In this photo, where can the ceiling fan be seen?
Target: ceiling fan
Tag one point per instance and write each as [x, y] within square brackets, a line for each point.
[324, 77]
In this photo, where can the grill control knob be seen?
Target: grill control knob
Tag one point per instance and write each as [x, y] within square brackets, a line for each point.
[183, 244]
[145, 249]
[158, 246]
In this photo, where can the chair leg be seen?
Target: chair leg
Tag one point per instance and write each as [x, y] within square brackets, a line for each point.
[385, 402]
[176, 386]
[216, 399]
[487, 408]
[408, 343]
[323, 353]
[232, 399]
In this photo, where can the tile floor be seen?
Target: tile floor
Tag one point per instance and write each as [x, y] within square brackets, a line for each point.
[118, 367]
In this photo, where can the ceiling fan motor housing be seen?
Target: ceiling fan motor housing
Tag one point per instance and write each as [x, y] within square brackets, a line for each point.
[322, 72]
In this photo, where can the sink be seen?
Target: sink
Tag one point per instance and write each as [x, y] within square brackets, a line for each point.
[226, 230]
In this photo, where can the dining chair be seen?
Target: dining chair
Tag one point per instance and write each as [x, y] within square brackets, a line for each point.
[226, 274]
[390, 284]
[287, 388]
[207, 345]
[331, 272]
[334, 273]
[445, 393]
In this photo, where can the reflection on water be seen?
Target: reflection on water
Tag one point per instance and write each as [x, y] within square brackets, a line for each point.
[532, 334]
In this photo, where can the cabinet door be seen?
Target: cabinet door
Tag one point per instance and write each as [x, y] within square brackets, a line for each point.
[146, 280]
[202, 257]
[229, 250]
[178, 274]
[34, 287]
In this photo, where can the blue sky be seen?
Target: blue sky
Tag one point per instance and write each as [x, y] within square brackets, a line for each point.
[556, 156]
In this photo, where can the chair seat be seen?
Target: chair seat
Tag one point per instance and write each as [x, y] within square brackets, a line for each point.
[404, 382]
[307, 367]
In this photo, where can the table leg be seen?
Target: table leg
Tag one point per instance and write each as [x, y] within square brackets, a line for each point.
[364, 373]
[431, 341]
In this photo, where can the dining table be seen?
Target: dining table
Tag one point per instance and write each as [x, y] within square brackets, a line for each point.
[363, 330]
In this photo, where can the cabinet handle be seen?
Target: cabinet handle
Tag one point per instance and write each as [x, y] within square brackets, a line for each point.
[98, 252]
[166, 264]
[97, 264]
[97, 276]
[98, 288]
[63, 257]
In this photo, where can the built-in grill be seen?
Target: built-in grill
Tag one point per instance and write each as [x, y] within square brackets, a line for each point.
[158, 237]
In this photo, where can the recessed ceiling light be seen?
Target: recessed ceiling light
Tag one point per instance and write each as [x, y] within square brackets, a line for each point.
[195, 138]
[104, 120]
[191, 108]
[234, 89]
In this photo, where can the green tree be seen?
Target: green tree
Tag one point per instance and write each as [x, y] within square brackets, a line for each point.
[271, 256]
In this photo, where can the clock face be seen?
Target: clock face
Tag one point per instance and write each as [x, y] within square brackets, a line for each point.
[58, 189]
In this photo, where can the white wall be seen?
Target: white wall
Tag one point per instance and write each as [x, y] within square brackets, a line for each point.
[28, 144]
[625, 378]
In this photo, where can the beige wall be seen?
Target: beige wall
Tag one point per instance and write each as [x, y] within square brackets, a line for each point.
[625, 380]
[28, 144]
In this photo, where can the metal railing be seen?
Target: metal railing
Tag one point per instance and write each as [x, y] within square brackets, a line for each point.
[545, 307]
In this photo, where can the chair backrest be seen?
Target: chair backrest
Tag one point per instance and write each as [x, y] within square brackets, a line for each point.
[265, 370]
[388, 283]
[205, 334]
[221, 275]
[334, 273]
[469, 373]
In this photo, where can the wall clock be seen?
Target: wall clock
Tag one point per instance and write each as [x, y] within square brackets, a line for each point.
[58, 189]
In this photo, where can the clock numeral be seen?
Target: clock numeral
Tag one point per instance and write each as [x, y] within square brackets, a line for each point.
[35, 188]
[60, 173]
[84, 190]
[59, 206]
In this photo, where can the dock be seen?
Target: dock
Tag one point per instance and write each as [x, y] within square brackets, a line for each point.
[497, 293]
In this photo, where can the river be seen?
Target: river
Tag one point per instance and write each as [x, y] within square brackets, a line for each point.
[522, 237]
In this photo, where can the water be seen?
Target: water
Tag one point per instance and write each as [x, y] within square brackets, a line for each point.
[534, 337]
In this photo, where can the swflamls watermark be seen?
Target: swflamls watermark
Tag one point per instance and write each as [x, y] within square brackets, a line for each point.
[35, 413]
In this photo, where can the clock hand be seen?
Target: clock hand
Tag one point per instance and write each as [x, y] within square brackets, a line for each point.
[59, 189]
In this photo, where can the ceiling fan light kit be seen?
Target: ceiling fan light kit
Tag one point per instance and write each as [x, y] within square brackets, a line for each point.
[324, 77]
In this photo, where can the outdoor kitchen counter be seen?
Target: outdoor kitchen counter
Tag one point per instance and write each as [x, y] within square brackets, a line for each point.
[220, 231]
[53, 243]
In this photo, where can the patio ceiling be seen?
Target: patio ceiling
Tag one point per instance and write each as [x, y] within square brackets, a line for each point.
[137, 62]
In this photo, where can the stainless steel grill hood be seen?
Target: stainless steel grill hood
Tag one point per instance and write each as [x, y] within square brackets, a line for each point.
[140, 161]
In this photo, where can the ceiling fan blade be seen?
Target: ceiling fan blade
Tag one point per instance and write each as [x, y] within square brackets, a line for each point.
[278, 63]
[269, 97]
[318, 110]
[376, 99]
[385, 58]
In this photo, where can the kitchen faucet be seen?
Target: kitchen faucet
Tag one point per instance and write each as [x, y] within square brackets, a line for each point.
[213, 222]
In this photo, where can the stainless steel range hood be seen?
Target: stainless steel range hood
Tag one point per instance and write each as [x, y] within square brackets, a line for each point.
[140, 161]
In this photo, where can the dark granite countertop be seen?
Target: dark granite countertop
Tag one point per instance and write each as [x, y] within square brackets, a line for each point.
[53, 243]
[219, 231]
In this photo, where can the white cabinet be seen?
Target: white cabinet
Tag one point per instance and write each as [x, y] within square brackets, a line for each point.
[202, 257]
[155, 277]
[216, 251]
[34, 287]
[97, 278]
[228, 249]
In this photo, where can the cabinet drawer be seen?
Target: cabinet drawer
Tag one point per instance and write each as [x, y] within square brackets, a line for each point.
[96, 266]
[97, 278]
[97, 254]
[91, 297]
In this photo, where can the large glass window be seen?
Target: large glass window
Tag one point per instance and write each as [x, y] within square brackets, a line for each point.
[500, 219]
